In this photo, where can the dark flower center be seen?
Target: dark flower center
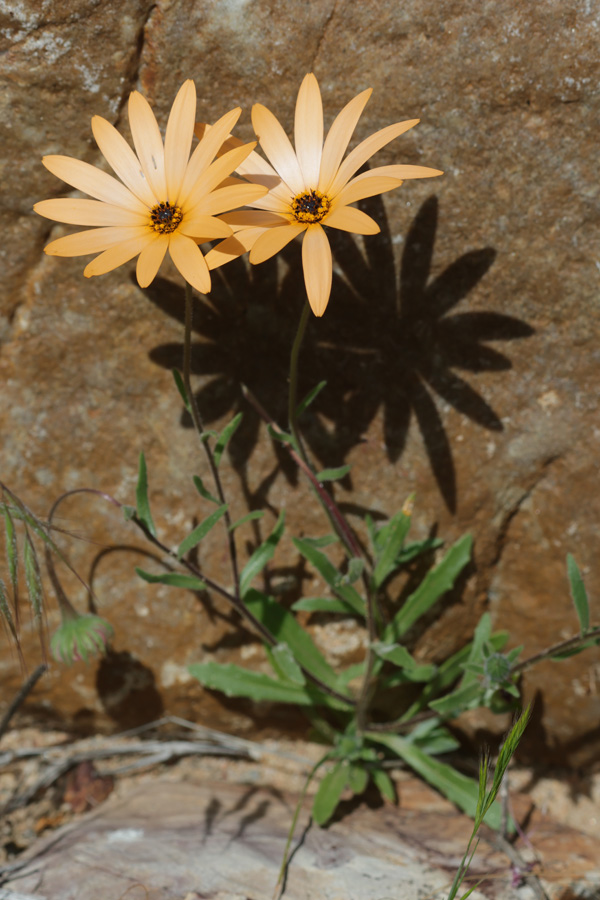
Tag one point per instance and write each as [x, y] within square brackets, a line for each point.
[311, 207]
[165, 218]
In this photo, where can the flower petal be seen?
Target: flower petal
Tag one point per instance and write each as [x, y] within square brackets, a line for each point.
[278, 148]
[338, 138]
[348, 218]
[365, 150]
[122, 159]
[148, 143]
[150, 259]
[117, 255]
[317, 265]
[273, 240]
[308, 130]
[233, 247]
[215, 174]
[93, 181]
[210, 143]
[225, 198]
[366, 185]
[178, 138]
[188, 258]
[404, 172]
[88, 212]
[206, 227]
[250, 218]
[92, 241]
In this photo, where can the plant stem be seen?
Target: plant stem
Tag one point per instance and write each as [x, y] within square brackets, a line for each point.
[199, 426]
[293, 395]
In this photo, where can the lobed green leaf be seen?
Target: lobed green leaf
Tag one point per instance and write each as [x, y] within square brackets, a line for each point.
[235, 681]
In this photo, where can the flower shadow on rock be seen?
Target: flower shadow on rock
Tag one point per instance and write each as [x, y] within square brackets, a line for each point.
[377, 346]
[246, 329]
[397, 349]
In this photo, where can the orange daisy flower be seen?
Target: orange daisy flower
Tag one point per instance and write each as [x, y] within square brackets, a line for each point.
[310, 187]
[165, 199]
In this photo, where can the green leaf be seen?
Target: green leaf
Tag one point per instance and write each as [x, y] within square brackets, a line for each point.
[249, 517]
[225, 437]
[322, 604]
[33, 579]
[433, 738]
[174, 579]
[262, 554]
[356, 566]
[579, 595]
[384, 784]
[454, 785]
[467, 697]
[282, 436]
[141, 494]
[128, 512]
[285, 665]
[417, 548]
[358, 779]
[203, 491]
[285, 628]
[329, 793]
[178, 378]
[201, 531]
[325, 541]
[330, 574]
[304, 404]
[434, 585]
[394, 534]
[234, 681]
[332, 474]
[399, 656]
[11, 549]
[6, 611]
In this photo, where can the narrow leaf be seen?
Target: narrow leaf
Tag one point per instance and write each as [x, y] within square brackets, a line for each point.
[141, 494]
[454, 785]
[225, 437]
[384, 784]
[330, 574]
[11, 549]
[329, 793]
[234, 681]
[199, 484]
[395, 531]
[579, 595]
[200, 532]
[462, 698]
[332, 474]
[286, 629]
[358, 779]
[322, 604]
[434, 585]
[399, 656]
[255, 514]
[262, 554]
[174, 579]
[304, 404]
[178, 378]
[5, 610]
[286, 667]
[33, 579]
[282, 436]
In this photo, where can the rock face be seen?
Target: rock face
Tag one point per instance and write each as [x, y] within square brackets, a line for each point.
[460, 346]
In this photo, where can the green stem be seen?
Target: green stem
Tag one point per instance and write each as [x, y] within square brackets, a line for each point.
[293, 395]
[199, 426]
